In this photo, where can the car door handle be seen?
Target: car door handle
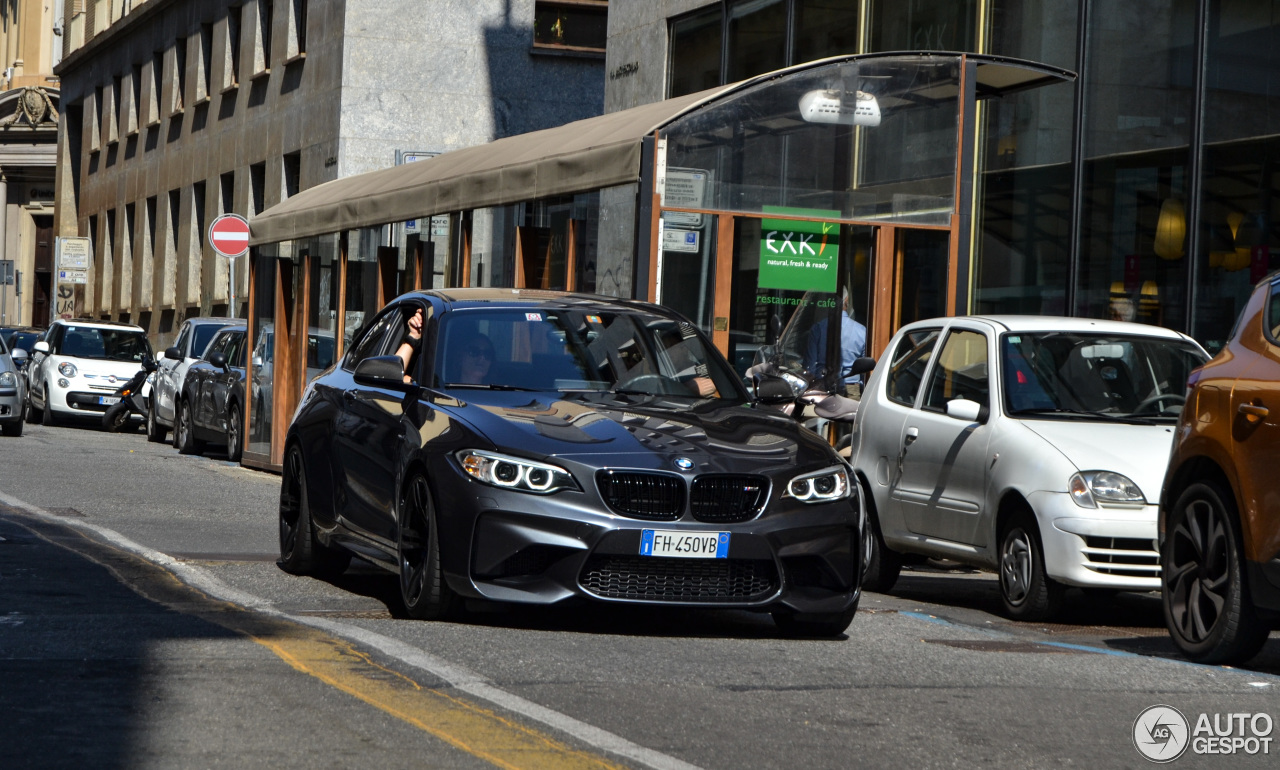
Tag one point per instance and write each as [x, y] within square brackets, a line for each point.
[1253, 410]
[912, 435]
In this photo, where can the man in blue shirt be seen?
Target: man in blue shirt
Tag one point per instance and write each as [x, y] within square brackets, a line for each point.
[853, 344]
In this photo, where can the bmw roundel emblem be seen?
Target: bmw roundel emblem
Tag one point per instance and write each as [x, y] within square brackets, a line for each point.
[684, 463]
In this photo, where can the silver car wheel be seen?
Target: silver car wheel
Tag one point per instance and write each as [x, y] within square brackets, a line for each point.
[1015, 565]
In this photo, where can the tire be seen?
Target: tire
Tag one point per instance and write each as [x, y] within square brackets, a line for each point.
[116, 418]
[1205, 594]
[423, 590]
[48, 418]
[235, 433]
[1028, 593]
[301, 553]
[155, 431]
[184, 431]
[32, 416]
[818, 624]
[13, 427]
[883, 565]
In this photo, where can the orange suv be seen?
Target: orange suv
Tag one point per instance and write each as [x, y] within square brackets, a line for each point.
[1220, 507]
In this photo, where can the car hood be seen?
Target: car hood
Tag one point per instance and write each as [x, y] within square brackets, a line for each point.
[603, 430]
[1140, 452]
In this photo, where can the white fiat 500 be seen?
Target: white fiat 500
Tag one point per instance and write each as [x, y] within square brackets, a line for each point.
[1031, 445]
[78, 366]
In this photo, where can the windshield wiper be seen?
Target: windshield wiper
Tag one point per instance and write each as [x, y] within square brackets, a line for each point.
[1087, 413]
[481, 386]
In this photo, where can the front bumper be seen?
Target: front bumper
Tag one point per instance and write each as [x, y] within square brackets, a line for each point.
[544, 549]
[1098, 547]
[10, 405]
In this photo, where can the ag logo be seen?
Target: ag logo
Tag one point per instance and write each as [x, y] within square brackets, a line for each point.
[1160, 733]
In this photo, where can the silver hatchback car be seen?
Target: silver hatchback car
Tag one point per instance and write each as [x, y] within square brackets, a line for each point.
[1030, 445]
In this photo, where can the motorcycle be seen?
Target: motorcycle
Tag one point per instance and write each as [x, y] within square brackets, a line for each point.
[807, 399]
[134, 398]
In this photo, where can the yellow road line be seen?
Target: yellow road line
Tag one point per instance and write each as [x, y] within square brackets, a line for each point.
[461, 724]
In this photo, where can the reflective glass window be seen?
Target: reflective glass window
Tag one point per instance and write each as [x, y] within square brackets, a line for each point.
[823, 28]
[908, 364]
[757, 38]
[695, 52]
[961, 371]
[922, 25]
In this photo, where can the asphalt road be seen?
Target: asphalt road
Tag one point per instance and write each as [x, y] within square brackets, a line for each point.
[143, 623]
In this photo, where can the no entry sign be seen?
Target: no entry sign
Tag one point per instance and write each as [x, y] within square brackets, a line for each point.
[229, 235]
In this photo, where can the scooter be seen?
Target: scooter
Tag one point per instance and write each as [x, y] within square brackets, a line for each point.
[134, 396]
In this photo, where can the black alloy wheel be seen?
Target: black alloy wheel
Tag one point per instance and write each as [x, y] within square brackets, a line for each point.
[31, 415]
[423, 589]
[184, 435]
[235, 433]
[301, 552]
[1205, 596]
[155, 431]
[1029, 594]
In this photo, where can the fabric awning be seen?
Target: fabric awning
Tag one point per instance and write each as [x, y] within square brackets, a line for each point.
[585, 155]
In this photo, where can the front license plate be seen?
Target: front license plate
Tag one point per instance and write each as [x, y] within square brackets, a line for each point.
[108, 400]
[684, 545]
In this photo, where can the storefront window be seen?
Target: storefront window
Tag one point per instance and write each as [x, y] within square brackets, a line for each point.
[493, 246]
[757, 38]
[262, 357]
[871, 139]
[922, 25]
[695, 52]
[362, 278]
[1240, 198]
[1138, 99]
[687, 266]
[823, 28]
[322, 321]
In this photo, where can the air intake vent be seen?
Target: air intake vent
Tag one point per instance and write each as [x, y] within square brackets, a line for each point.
[658, 579]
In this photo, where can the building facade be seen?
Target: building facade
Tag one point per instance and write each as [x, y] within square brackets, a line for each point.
[180, 110]
[1145, 189]
[29, 115]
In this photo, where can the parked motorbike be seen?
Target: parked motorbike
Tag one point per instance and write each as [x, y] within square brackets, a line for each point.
[808, 399]
[134, 396]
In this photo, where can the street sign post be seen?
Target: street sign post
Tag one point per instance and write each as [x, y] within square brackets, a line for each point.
[229, 237]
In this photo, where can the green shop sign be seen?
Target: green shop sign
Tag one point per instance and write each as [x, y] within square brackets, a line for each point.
[800, 256]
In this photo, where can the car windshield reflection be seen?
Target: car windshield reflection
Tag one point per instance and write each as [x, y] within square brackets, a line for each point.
[1060, 375]
[577, 351]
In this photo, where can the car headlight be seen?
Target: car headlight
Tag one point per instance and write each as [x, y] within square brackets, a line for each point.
[821, 487]
[514, 473]
[7, 380]
[1093, 487]
[67, 369]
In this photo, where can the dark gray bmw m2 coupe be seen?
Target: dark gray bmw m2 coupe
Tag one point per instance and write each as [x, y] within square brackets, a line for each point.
[541, 446]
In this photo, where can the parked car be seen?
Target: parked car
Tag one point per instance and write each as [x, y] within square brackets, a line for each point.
[555, 445]
[78, 365]
[194, 337]
[1220, 507]
[320, 351]
[1033, 446]
[211, 406]
[22, 338]
[12, 389]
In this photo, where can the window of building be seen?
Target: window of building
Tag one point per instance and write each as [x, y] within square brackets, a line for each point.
[757, 39]
[823, 28]
[155, 89]
[922, 25]
[695, 52]
[227, 189]
[262, 51]
[258, 188]
[204, 78]
[297, 30]
[231, 70]
[134, 112]
[571, 25]
[178, 83]
[291, 171]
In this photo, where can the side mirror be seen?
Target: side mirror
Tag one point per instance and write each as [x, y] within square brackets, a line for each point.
[174, 353]
[42, 347]
[771, 389]
[382, 372]
[257, 361]
[967, 411]
[862, 366]
[219, 359]
[19, 357]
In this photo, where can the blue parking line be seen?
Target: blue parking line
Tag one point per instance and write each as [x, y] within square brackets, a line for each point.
[927, 618]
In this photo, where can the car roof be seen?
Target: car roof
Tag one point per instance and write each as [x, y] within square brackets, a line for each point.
[544, 298]
[206, 320]
[97, 324]
[1042, 323]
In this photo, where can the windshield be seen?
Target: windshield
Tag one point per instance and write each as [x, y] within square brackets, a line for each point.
[575, 350]
[1067, 374]
[104, 344]
[24, 340]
